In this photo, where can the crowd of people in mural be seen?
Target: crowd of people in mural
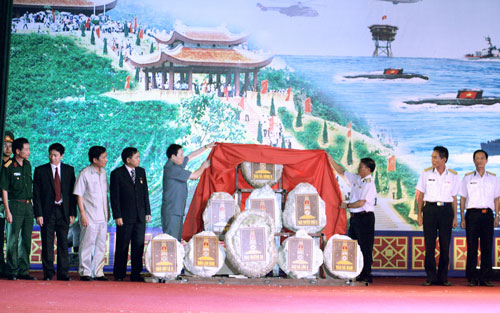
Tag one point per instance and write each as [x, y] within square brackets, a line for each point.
[56, 200]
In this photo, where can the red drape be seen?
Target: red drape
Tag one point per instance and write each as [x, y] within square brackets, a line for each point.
[299, 166]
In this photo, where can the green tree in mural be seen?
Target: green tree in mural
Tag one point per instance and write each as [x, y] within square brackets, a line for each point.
[136, 77]
[125, 29]
[120, 61]
[349, 154]
[273, 109]
[283, 144]
[325, 132]
[137, 40]
[105, 47]
[377, 182]
[151, 48]
[259, 100]
[92, 37]
[259, 133]
[298, 121]
[399, 191]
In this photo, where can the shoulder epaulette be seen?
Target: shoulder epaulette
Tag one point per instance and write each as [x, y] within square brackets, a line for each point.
[470, 173]
[9, 162]
[491, 173]
[428, 169]
[450, 170]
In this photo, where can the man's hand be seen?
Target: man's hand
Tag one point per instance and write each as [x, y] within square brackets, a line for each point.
[148, 218]
[206, 164]
[210, 145]
[496, 221]
[8, 217]
[455, 224]
[84, 221]
[343, 205]
[420, 219]
[119, 221]
[39, 221]
[71, 220]
[462, 224]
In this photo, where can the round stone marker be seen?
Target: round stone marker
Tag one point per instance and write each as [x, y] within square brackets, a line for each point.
[300, 256]
[265, 199]
[342, 257]
[304, 209]
[219, 213]
[164, 257]
[250, 245]
[204, 255]
[261, 174]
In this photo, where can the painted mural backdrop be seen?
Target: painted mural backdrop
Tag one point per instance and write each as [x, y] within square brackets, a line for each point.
[75, 79]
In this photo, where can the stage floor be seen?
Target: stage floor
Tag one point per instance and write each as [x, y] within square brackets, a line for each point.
[386, 294]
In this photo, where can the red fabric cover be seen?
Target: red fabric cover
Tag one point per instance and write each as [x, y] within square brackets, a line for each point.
[299, 166]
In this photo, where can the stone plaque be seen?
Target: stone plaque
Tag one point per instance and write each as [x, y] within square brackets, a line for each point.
[300, 254]
[164, 256]
[253, 244]
[344, 255]
[266, 205]
[263, 171]
[221, 211]
[206, 251]
[307, 209]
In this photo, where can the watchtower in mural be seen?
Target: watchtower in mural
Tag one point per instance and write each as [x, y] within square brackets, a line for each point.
[383, 35]
[215, 52]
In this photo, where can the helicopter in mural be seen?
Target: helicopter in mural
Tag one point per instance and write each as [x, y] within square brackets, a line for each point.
[401, 1]
[297, 9]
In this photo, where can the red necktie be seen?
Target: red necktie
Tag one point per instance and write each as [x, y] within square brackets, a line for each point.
[57, 186]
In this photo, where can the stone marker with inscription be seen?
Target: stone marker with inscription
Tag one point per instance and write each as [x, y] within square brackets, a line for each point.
[164, 257]
[261, 174]
[250, 245]
[265, 199]
[342, 257]
[204, 255]
[300, 256]
[304, 209]
[219, 213]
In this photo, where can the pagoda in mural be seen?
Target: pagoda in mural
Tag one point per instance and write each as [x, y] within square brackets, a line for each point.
[215, 52]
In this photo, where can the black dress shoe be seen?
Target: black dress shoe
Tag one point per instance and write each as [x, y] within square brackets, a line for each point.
[101, 278]
[446, 283]
[486, 283]
[472, 283]
[139, 279]
[65, 278]
[26, 277]
[86, 278]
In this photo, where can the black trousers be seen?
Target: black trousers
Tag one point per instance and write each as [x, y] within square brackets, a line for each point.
[2, 241]
[362, 229]
[133, 234]
[58, 225]
[479, 225]
[437, 218]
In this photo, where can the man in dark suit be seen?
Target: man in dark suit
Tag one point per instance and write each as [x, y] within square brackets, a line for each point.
[131, 211]
[54, 206]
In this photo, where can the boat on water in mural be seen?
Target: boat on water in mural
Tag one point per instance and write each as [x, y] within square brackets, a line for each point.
[491, 146]
[465, 97]
[390, 73]
[489, 53]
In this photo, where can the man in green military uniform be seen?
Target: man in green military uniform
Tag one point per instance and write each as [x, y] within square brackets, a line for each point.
[17, 193]
[7, 153]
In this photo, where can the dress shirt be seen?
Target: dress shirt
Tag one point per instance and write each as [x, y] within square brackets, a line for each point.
[363, 188]
[92, 186]
[438, 188]
[480, 192]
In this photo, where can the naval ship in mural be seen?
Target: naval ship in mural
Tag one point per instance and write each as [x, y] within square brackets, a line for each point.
[465, 97]
[389, 73]
[489, 53]
[491, 146]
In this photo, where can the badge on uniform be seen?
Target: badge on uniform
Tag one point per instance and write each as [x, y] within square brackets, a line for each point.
[140, 180]
[17, 174]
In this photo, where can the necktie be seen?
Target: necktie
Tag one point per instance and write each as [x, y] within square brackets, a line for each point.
[57, 186]
[132, 173]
